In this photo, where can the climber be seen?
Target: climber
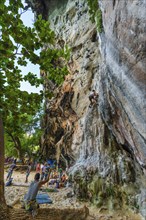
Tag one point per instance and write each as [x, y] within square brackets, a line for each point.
[29, 202]
[93, 98]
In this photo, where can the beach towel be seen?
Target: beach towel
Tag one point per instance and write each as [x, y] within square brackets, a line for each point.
[43, 199]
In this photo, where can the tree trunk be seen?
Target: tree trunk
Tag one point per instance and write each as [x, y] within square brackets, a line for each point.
[17, 145]
[19, 148]
[3, 206]
[2, 199]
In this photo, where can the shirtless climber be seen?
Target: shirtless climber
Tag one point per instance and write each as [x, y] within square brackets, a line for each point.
[93, 98]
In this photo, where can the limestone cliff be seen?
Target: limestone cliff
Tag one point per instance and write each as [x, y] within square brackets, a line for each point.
[123, 76]
[104, 145]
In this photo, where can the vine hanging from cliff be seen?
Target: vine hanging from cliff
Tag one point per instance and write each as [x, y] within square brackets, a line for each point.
[95, 14]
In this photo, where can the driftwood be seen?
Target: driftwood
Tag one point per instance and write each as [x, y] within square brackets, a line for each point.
[51, 214]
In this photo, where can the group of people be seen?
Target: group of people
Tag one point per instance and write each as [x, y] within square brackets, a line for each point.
[45, 173]
[57, 176]
[43, 169]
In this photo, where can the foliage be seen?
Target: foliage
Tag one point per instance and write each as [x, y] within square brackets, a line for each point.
[98, 20]
[10, 150]
[19, 45]
[22, 137]
[95, 14]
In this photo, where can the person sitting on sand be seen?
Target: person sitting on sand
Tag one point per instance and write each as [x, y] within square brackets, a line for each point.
[52, 181]
[64, 179]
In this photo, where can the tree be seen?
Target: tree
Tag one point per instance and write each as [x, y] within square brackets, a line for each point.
[3, 208]
[18, 125]
[18, 46]
[25, 139]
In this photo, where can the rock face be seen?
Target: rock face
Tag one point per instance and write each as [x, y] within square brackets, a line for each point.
[123, 76]
[104, 145]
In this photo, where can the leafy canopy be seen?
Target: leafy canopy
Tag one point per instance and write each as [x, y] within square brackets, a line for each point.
[19, 45]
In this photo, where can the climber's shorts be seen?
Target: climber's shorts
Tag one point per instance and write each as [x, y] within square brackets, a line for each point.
[31, 205]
